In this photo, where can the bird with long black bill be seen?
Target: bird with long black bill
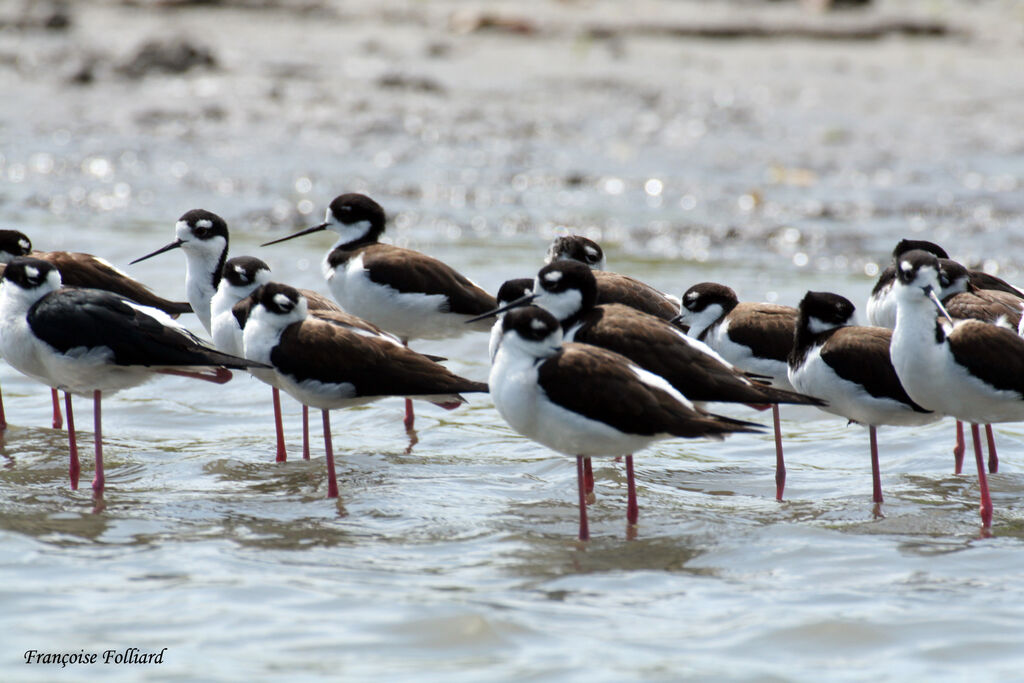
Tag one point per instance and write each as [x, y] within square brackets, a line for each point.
[215, 284]
[971, 370]
[405, 292]
[567, 289]
[90, 342]
[83, 270]
[848, 366]
[330, 365]
[755, 337]
[584, 402]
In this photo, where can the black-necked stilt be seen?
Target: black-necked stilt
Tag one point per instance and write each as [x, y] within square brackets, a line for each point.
[577, 248]
[90, 342]
[329, 365]
[881, 311]
[584, 401]
[403, 291]
[965, 297]
[970, 370]
[755, 337]
[510, 291]
[215, 284]
[849, 367]
[612, 288]
[203, 236]
[567, 289]
[881, 308]
[84, 270]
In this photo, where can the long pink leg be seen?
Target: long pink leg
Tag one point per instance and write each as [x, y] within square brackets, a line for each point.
[876, 476]
[632, 508]
[305, 432]
[98, 480]
[588, 480]
[58, 421]
[584, 528]
[410, 417]
[986, 499]
[780, 462]
[332, 481]
[3, 416]
[73, 467]
[282, 453]
[993, 457]
[959, 448]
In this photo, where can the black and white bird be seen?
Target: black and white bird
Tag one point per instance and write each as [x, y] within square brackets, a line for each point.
[215, 284]
[585, 402]
[848, 366]
[405, 292]
[612, 288]
[92, 342]
[995, 302]
[755, 337]
[577, 248]
[567, 289]
[881, 310]
[971, 370]
[510, 290]
[329, 365]
[84, 270]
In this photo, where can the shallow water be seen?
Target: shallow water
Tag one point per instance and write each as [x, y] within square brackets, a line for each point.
[775, 167]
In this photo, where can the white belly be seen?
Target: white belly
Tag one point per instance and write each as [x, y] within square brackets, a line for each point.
[849, 399]
[407, 315]
[527, 410]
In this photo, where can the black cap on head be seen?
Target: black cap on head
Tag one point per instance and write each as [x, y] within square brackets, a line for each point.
[827, 307]
[530, 322]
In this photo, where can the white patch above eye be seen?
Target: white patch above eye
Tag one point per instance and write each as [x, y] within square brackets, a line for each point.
[553, 276]
[283, 301]
[204, 223]
[240, 270]
[538, 324]
[32, 271]
[906, 266]
[591, 252]
[24, 244]
[692, 296]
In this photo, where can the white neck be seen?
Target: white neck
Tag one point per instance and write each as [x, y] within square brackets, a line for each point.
[700, 321]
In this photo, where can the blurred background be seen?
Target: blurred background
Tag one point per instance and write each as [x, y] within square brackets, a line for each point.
[806, 135]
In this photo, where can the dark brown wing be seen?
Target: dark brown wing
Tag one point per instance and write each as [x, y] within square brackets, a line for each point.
[861, 355]
[615, 288]
[338, 317]
[986, 305]
[318, 350]
[410, 271]
[656, 346]
[85, 270]
[318, 302]
[992, 353]
[983, 280]
[600, 385]
[767, 329]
